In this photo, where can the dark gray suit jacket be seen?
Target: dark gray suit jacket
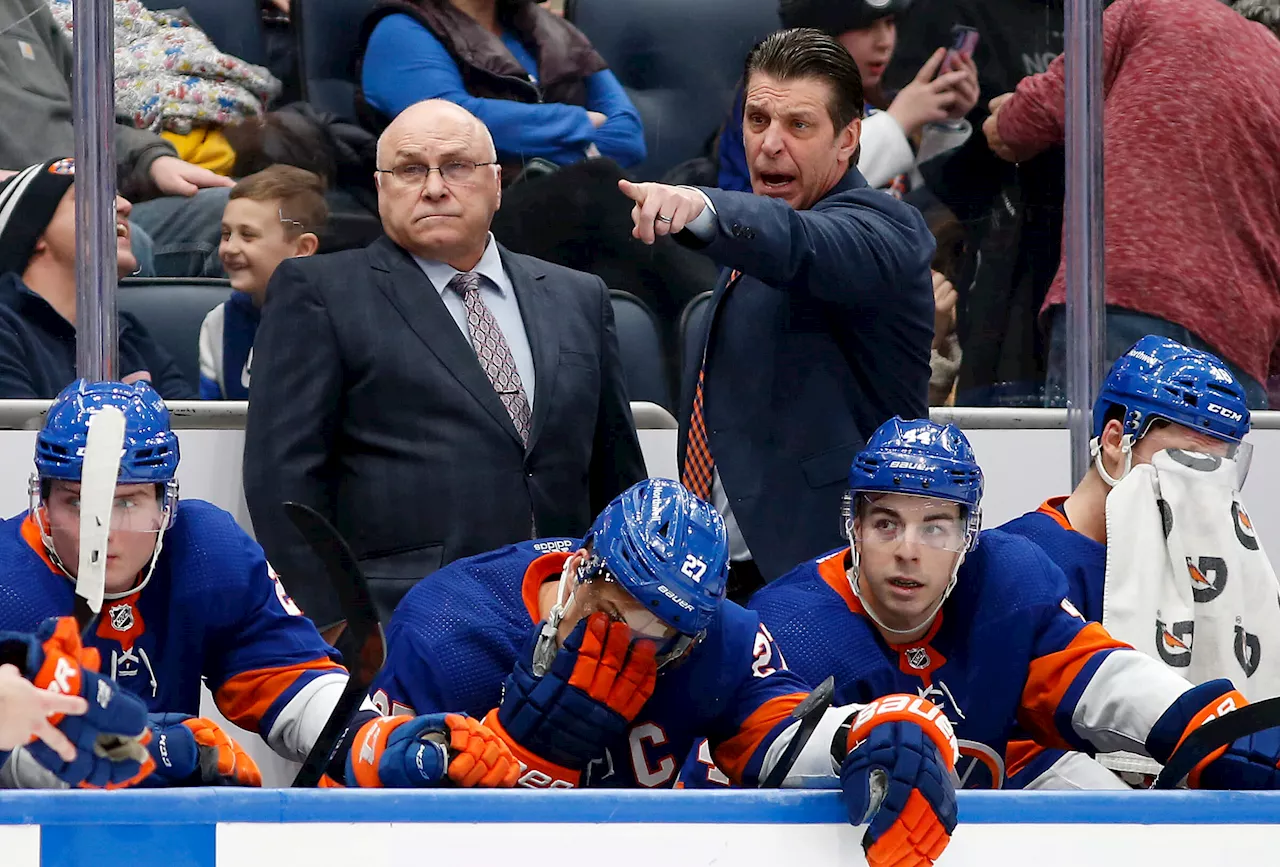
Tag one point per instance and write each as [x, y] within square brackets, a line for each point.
[368, 404]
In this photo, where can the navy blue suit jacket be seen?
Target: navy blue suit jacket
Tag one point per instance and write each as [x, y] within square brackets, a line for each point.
[369, 405]
[824, 337]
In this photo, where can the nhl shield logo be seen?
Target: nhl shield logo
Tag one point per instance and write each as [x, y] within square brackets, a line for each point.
[121, 617]
[918, 658]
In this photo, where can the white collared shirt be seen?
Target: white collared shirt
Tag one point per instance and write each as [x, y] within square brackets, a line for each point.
[498, 295]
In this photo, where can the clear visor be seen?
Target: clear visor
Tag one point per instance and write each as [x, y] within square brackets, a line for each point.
[601, 593]
[132, 511]
[1211, 455]
[940, 525]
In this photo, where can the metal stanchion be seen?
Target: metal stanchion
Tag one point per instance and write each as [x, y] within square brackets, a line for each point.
[1083, 227]
[93, 101]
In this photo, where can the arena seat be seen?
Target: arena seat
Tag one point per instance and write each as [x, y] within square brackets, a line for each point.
[172, 310]
[234, 26]
[692, 322]
[327, 32]
[680, 62]
[640, 344]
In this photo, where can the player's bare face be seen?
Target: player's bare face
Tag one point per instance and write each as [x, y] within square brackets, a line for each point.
[907, 548]
[135, 525]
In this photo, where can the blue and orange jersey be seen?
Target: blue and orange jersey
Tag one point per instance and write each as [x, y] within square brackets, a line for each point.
[1007, 652]
[458, 633]
[213, 609]
[1082, 560]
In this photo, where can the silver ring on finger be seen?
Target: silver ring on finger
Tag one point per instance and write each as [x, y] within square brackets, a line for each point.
[662, 219]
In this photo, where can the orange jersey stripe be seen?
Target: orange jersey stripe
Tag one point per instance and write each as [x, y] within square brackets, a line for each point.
[1050, 676]
[832, 571]
[1018, 754]
[1053, 508]
[31, 535]
[537, 573]
[246, 698]
[733, 755]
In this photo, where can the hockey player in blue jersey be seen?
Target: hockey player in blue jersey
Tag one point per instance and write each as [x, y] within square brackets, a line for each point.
[979, 623]
[188, 596]
[598, 663]
[1159, 395]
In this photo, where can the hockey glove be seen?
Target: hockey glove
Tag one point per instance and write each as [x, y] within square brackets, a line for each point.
[193, 751]
[409, 752]
[1248, 763]
[559, 723]
[111, 737]
[897, 778]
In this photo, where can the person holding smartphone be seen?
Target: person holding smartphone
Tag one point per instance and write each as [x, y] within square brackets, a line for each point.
[901, 130]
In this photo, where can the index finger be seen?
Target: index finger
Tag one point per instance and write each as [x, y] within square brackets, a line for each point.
[72, 705]
[930, 68]
[635, 192]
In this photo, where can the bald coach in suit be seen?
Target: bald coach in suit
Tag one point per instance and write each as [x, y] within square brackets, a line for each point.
[434, 395]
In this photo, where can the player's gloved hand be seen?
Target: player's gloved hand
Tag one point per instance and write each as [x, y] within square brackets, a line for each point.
[405, 752]
[559, 723]
[193, 751]
[897, 760]
[111, 737]
[1248, 763]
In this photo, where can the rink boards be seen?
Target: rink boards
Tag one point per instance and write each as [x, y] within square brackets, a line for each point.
[282, 828]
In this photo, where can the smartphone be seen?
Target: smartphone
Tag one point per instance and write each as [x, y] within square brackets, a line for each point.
[964, 40]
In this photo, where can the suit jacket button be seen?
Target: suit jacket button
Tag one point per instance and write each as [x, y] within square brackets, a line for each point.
[736, 231]
[750, 233]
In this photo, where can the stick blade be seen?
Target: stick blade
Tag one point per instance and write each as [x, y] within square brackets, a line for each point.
[1225, 730]
[97, 496]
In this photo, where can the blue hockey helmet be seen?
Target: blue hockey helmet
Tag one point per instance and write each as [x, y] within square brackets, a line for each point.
[1159, 378]
[668, 549]
[923, 459]
[150, 446]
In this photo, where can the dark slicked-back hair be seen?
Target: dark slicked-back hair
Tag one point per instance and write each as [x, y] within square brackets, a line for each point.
[803, 52]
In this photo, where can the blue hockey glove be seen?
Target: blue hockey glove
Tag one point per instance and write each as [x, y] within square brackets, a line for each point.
[404, 752]
[193, 751]
[111, 736]
[897, 776]
[1248, 763]
[559, 723]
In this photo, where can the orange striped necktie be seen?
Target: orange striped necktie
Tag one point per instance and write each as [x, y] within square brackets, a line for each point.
[698, 465]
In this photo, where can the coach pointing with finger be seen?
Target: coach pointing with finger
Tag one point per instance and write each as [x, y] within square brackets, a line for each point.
[821, 325]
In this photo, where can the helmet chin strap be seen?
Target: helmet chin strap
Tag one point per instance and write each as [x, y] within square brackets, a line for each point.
[47, 538]
[1126, 448]
[546, 647]
[852, 575]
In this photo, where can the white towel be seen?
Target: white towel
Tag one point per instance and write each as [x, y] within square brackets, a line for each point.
[1187, 580]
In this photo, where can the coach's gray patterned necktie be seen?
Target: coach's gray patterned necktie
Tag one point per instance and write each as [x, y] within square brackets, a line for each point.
[492, 350]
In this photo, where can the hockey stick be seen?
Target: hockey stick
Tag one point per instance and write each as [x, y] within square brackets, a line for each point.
[98, 478]
[352, 590]
[1215, 734]
[809, 712]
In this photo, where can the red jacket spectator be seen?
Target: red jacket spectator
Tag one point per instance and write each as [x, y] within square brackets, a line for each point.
[1192, 141]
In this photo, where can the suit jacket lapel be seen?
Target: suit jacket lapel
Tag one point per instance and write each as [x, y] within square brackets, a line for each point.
[537, 309]
[418, 302]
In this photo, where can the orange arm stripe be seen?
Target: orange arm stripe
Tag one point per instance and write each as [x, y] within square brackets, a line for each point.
[1050, 677]
[733, 756]
[1018, 754]
[246, 698]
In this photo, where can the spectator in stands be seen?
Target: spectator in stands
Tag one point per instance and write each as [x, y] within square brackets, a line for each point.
[821, 330]
[434, 395]
[38, 291]
[1012, 215]
[923, 120]
[1193, 178]
[179, 204]
[271, 216]
[173, 81]
[530, 76]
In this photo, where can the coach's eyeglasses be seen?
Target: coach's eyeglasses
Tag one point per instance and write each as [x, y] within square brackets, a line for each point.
[459, 172]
